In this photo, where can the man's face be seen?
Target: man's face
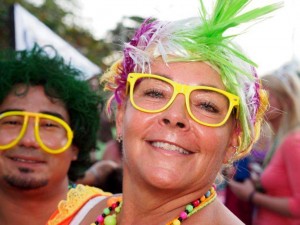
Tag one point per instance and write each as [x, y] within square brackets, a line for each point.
[26, 165]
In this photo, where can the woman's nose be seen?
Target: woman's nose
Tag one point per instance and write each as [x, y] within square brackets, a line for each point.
[176, 115]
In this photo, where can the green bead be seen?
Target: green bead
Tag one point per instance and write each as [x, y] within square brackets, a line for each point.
[110, 220]
[106, 211]
[189, 208]
[118, 209]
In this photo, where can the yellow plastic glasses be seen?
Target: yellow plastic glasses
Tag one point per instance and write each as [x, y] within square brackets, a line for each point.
[206, 105]
[52, 133]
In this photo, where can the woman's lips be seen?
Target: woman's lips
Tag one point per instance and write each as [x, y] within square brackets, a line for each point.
[169, 147]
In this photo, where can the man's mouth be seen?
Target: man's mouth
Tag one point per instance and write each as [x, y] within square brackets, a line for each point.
[170, 147]
[23, 160]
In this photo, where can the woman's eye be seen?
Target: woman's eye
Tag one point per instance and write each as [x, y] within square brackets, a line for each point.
[154, 94]
[208, 107]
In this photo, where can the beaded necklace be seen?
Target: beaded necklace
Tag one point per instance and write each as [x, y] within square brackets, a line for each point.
[115, 203]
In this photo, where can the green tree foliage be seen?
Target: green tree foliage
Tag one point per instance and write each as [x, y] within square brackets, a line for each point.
[5, 41]
[62, 20]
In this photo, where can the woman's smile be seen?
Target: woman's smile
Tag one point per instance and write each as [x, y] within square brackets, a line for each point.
[169, 147]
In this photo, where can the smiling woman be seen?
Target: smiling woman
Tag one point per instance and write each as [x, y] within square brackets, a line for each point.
[188, 101]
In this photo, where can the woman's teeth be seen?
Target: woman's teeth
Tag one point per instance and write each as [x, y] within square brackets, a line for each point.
[169, 147]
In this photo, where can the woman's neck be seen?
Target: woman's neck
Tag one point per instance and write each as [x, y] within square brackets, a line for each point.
[140, 207]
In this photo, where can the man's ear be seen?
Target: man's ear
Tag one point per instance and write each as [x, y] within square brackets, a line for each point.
[75, 152]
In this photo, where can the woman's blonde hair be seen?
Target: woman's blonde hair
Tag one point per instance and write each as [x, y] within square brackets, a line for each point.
[285, 84]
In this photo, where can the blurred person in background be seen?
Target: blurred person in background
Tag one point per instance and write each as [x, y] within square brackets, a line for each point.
[277, 194]
[240, 171]
[107, 147]
[113, 151]
[48, 123]
[104, 174]
[243, 169]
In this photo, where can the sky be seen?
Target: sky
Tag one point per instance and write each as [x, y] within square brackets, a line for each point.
[270, 43]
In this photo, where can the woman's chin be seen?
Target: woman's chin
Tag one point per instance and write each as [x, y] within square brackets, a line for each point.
[163, 179]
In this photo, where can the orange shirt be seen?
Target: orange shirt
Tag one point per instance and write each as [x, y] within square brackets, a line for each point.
[77, 198]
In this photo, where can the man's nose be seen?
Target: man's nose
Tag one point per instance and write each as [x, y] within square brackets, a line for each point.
[28, 139]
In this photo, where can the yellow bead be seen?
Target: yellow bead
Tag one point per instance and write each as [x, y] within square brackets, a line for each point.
[176, 222]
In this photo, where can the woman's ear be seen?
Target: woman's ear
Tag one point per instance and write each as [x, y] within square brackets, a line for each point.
[119, 120]
[233, 144]
[230, 154]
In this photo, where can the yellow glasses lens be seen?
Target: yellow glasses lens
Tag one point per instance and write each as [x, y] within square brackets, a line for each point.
[52, 133]
[206, 105]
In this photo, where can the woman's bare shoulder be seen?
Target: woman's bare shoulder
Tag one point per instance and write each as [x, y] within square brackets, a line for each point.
[214, 214]
[224, 216]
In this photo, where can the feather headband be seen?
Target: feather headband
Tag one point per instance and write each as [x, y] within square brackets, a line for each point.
[200, 39]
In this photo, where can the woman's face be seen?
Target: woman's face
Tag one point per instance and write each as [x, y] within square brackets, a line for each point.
[169, 149]
[276, 108]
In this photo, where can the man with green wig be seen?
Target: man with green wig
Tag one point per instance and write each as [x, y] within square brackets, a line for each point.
[48, 124]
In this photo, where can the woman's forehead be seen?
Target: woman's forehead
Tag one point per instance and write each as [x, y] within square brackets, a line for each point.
[192, 73]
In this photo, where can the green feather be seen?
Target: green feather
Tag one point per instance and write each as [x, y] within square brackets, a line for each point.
[207, 42]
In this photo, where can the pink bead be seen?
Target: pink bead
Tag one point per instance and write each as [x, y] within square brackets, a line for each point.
[100, 219]
[183, 215]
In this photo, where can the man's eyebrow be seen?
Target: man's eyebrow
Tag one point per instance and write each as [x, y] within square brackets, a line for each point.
[44, 112]
[53, 114]
[9, 110]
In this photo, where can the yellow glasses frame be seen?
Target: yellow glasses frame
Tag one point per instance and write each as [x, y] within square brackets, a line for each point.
[181, 89]
[36, 130]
